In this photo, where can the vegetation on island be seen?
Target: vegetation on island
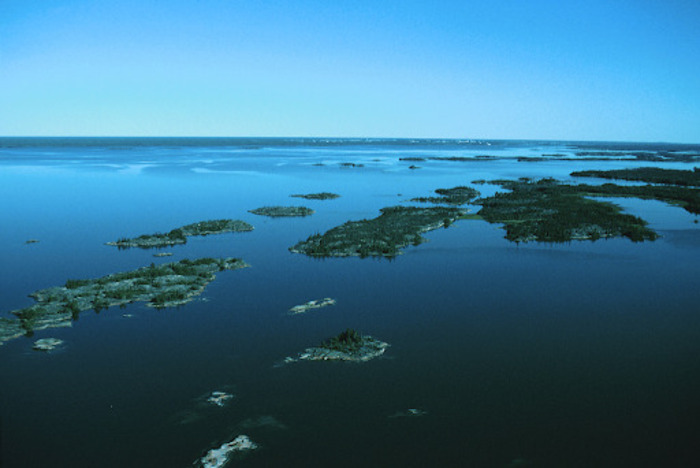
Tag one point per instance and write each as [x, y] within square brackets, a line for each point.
[165, 285]
[347, 341]
[548, 211]
[453, 196]
[179, 236]
[349, 345]
[282, 211]
[395, 228]
[479, 157]
[686, 197]
[662, 155]
[652, 175]
[317, 196]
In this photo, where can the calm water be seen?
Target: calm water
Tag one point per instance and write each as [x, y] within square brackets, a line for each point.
[580, 354]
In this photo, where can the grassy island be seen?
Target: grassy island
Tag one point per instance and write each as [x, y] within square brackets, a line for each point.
[282, 211]
[179, 236]
[453, 196]
[548, 211]
[652, 175]
[317, 196]
[383, 236]
[165, 285]
[347, 346]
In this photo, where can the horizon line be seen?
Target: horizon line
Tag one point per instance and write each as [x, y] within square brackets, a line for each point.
[470, 139]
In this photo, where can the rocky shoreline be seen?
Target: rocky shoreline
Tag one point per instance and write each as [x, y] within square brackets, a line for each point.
[166, 285]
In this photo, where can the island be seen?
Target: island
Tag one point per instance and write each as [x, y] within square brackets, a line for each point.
[652, 175]
[453, 196]
[163, 254]
[179, 236]
[315, 304]
[549, 211]
[649, 155]
[219, 457]
[383, 236]
[219, 398]
[47, 344]
[347, 346]
[317, 196]
[166, 285]
[282, 211]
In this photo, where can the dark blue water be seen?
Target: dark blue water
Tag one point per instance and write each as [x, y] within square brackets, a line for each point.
[580, 354]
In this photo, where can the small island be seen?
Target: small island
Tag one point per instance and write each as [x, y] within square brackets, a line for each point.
[347, 346]
[395, 228]
[219, 457]
[453, 196]
[163, 254]
[317, 196]
[47, 344]
[179, 236]
[166, 285]
[219, 398]
[315, 304]
[282, 211]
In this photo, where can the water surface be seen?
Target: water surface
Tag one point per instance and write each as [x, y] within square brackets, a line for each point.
[577, 354]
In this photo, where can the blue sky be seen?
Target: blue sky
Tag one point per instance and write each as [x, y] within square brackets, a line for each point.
[537, 69]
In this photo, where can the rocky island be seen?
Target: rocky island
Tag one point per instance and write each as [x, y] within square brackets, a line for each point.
[348, 346]
[47, 344]
[219, 398]
[166, 285]
[219, 457]
[282, 211]
[315, 304]
[179, 236]
[317, 196]
[395, 228]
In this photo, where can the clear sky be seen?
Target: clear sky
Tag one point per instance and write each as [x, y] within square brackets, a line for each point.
[530, 69]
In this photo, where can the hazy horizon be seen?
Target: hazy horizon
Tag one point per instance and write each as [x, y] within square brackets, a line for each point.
[603, 71]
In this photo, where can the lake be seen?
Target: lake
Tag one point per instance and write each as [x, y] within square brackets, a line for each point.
[572, 354]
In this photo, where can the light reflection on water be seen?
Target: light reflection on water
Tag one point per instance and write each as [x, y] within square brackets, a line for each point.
[559, 355]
